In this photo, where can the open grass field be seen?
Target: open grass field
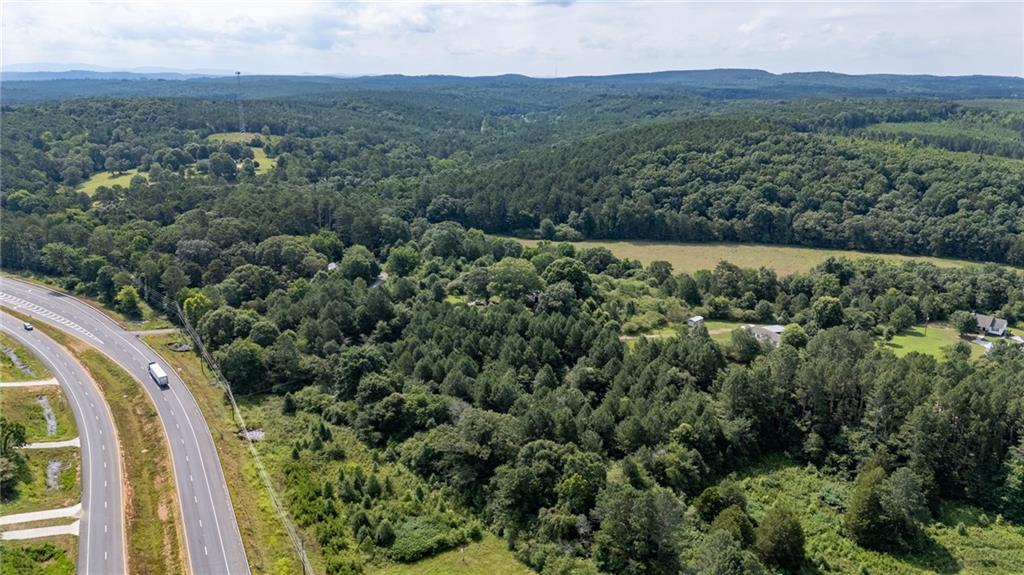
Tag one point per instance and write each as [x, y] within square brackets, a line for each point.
[108, 179]
[784, 260]
[34, 495]
[483, 558]
[929, 340]
[258, 154]
[265, 163]
[154, 543]
[9, 372]
[19, 405]
[234, 137]
[932, 340]
[45, 556]
[719, 330]
[985, 547]
[266, 543]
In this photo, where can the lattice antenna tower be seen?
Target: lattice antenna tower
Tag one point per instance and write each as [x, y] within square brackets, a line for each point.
[241, 116]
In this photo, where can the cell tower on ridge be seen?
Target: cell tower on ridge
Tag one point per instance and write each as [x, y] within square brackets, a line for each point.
[241, 116]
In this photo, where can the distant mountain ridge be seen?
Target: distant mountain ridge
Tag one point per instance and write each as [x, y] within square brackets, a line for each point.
[16, 76]
[26, 86]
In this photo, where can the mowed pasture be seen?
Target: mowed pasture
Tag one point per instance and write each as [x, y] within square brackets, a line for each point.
[932, 340]
[785, 260]
[109, 179]
[259, 155]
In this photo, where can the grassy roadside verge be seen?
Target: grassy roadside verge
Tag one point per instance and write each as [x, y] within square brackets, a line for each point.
[266, 543]
[9, 372]
[46, 556]
[152, 513]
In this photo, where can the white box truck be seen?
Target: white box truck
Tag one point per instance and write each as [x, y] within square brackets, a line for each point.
[158, 374]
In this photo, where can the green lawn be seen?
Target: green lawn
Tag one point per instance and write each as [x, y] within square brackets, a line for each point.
[720, 331]
[33, 494]
[8, 371]
[929, 340]
[265, 163]
[19, 405]
[784, 260]
[489, 556]
[816, 498]
[123, 179]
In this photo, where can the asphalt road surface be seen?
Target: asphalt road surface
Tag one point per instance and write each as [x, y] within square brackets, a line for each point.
[101, 527]
[213, 542]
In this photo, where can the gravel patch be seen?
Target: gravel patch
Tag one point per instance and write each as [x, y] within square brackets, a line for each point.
[53, 470]
[252, 434]
[13, 356]
[51, 419]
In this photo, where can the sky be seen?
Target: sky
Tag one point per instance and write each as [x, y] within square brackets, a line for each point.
[539, 38]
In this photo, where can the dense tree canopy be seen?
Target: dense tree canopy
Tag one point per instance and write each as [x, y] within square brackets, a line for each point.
[498, 384]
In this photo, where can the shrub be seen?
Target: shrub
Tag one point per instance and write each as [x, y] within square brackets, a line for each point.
[735, 521]
[780, 540]
[419, 537]
[717, 498]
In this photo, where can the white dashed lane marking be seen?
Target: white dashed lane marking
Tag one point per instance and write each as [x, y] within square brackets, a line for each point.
[41, 311]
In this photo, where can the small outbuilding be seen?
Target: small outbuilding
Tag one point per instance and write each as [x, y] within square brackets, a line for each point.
[695, 321]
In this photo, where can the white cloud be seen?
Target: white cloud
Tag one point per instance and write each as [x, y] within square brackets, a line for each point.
[531, 37]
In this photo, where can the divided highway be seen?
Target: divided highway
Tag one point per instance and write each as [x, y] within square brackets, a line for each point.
[101, 527]
[212, 539]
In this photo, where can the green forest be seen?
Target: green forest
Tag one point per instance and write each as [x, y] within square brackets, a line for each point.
[437, 381]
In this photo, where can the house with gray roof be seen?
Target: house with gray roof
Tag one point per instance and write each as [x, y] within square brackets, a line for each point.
[990, 325]
[770, 334]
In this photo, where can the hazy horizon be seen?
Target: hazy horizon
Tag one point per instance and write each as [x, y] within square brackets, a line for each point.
[539, 39]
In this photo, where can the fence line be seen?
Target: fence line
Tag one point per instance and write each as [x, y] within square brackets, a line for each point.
[162, 301]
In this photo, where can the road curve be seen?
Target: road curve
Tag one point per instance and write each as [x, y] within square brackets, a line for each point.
[212, 539]
[101, 538]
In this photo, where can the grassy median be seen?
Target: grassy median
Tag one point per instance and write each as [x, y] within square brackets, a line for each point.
[35, 494]
[21, 405]
[152, 513]
[266, 543]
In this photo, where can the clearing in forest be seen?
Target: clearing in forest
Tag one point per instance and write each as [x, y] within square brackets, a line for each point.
[109, 179]
[784, 260]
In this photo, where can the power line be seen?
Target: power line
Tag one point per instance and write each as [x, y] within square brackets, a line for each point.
[169, 305]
